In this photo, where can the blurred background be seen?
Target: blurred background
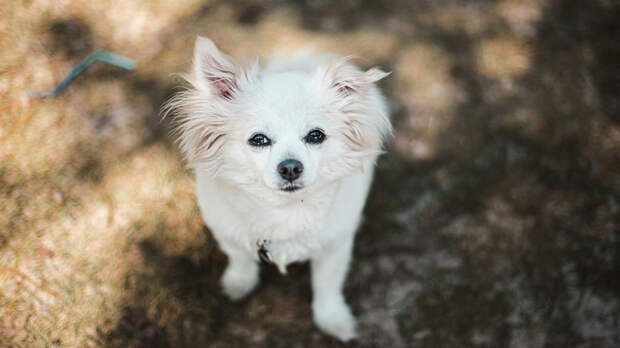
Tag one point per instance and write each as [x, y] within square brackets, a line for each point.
[493, 220]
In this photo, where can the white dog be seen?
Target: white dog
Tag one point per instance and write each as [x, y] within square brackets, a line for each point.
[284, 157]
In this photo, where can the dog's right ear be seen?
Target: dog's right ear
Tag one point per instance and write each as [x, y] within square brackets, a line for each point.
[214, 71]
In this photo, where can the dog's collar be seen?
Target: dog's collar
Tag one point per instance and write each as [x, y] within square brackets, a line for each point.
[263, 251]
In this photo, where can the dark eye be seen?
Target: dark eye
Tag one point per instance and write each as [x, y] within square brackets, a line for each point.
[315, 137]
[259, 140]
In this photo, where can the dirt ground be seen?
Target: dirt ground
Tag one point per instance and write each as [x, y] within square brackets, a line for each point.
[493, 220]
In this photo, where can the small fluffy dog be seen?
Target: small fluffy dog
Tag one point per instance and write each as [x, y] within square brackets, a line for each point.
[284, 156]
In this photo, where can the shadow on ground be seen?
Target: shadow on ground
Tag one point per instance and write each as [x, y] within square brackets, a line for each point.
[506, 237]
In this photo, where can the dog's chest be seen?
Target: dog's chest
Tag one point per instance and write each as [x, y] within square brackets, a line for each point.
[288, 234]
[288, 222]
[295, 229]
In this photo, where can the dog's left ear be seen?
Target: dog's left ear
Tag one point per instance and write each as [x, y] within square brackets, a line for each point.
[214, 71]
[365, 118]
[348, 80]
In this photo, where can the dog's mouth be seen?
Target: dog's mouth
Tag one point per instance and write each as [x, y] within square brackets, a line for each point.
[291, 188]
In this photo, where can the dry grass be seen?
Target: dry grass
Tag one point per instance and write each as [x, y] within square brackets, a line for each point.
[78, 184]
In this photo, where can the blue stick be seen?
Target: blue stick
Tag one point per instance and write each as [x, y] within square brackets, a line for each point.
[104, 56]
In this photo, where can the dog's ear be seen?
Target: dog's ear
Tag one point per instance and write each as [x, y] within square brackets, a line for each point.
[348, 80]
[365, 118]
[214, 71]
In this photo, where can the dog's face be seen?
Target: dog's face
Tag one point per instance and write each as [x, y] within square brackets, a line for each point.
[282, 138]
[280, 141]
[279, 131]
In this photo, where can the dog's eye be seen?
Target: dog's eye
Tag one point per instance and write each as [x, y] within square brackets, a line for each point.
[259, 140]
[315, 137]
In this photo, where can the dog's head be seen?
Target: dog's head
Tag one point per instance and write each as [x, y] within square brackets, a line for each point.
[284, 129]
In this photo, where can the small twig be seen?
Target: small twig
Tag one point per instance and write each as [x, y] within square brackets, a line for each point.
[28, 280]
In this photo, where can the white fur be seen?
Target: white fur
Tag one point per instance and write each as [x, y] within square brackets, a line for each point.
[238, 187]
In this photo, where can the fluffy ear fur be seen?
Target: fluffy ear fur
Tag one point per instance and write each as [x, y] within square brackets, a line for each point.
[200, 112]
[355, 95]
[198, 127]
[348, 79]
[214, 71]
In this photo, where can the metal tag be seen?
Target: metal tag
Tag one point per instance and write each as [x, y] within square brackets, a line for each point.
[263, 252]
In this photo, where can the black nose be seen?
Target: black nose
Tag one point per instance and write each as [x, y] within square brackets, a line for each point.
[290, 169]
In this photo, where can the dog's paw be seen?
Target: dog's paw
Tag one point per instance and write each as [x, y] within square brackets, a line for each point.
[336, 320]
[236, 285]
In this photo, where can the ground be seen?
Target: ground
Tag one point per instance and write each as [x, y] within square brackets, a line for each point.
[493, 219]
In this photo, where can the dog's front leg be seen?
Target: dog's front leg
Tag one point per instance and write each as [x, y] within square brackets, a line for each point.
[241, 274]
[330, 311]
